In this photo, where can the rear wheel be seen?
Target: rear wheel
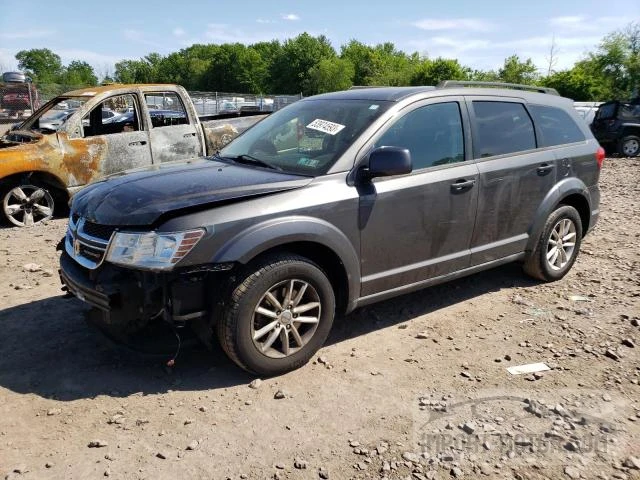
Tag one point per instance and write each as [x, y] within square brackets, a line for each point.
[26, 205]
[557, 247]
[629, 146]
[279, 315]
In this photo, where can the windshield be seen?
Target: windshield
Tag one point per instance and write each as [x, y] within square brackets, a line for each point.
[53, 115]
[306, 137]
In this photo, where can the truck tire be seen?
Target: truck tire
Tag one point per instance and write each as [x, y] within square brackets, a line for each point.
[280, 314]
[26, 204]
[558, 245]
[629, 146]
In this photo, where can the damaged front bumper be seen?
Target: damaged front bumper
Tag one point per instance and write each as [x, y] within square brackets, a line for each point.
[129, 300]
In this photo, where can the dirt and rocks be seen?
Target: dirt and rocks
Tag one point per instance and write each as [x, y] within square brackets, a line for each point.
[412, 388]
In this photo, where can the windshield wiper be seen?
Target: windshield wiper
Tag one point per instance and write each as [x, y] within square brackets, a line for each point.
[249, 160]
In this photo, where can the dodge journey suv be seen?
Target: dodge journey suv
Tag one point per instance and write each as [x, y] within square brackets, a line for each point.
[334, 202]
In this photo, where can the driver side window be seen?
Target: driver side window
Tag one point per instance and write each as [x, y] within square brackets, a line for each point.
[116, 114]
[433, 135]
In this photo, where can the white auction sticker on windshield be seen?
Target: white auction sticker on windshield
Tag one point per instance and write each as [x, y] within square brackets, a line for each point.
[325, 126]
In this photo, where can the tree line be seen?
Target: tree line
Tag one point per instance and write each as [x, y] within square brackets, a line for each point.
[310, 65]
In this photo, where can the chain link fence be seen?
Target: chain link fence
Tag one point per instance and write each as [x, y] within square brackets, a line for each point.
[19, 100]
[218, 103]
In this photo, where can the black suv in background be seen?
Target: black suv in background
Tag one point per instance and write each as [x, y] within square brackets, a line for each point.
[616, 126]
[335, 202]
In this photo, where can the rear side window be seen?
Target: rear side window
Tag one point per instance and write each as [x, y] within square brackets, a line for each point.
[502, 127]
[608, 110]
[629, 111]
[166, 109]
[556, 125]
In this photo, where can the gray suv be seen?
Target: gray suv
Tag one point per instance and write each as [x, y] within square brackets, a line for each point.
[335, 202]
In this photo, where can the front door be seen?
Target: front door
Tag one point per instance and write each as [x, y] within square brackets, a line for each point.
[112, 139]
[418, 226]
[174, 135]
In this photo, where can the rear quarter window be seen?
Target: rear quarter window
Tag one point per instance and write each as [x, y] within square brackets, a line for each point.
[556, 125]
[608, 110]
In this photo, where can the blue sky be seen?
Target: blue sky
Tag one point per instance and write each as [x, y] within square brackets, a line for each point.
[478, 33]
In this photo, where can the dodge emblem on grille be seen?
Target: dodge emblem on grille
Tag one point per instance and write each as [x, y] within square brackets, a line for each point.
[76, 247]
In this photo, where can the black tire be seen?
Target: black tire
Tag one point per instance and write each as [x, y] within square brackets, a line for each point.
[33, 207]
[629, 146]
[537, 264]
[236, 326]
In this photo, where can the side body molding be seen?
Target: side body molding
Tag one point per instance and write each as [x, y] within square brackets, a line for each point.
[275, 232]
[560, 190]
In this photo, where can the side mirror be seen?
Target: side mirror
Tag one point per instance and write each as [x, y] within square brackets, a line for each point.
[389, 161]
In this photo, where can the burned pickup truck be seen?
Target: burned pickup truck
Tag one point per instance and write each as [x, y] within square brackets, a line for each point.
[88, 134]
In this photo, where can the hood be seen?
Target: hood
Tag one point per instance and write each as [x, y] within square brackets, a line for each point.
[16, 138]
[141, 196]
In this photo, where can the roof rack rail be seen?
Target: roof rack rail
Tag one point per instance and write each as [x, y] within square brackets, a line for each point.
[515, 86]
[359, 87]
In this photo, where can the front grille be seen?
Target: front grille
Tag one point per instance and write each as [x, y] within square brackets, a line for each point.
[99, 231]
[86, 242]
[92, 253]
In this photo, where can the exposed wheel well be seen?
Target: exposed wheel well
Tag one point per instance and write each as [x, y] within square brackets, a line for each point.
[580, 203]
[326, 259]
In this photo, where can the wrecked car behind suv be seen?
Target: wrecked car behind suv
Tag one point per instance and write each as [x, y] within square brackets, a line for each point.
[335, 202]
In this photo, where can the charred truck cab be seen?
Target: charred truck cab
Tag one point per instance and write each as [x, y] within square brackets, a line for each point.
[335, 202]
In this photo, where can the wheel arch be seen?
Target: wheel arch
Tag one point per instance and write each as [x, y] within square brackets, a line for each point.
[570, 191]
[41, 177]
[315, 239]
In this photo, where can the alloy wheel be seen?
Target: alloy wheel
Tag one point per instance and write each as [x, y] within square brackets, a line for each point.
[28, 205]
[631, 147]
[286, 318]
[561, 244]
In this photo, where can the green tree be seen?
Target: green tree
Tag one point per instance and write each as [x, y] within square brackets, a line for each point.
[396, 68]
[330, 75]
[79, 73]
[484, 76]
[236, 68]
[145, 70]
[516, 71]
[617, 62]
[432, 72]
[367, 64]
[41, 64]
[577, 83]
[289, 71]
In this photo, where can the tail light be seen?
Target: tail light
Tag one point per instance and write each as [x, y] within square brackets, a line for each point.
[600, 157]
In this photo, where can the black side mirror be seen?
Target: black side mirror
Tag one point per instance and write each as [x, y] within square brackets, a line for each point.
[389, 161]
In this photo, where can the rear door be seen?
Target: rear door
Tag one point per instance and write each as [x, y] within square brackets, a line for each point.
[174, 134]
[418, 226]
[514, 176]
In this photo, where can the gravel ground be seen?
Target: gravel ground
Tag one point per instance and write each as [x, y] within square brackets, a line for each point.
[412, 388]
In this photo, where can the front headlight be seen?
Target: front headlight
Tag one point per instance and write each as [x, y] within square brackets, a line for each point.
[151, 250]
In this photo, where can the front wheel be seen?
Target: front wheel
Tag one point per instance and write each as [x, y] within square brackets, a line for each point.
[630, 146]
[26, 205]
[557, 247]
[279, 315]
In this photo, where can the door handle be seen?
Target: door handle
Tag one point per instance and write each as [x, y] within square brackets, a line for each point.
[136, 144]
[544, 169]
[462, 185]
[187, 135]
